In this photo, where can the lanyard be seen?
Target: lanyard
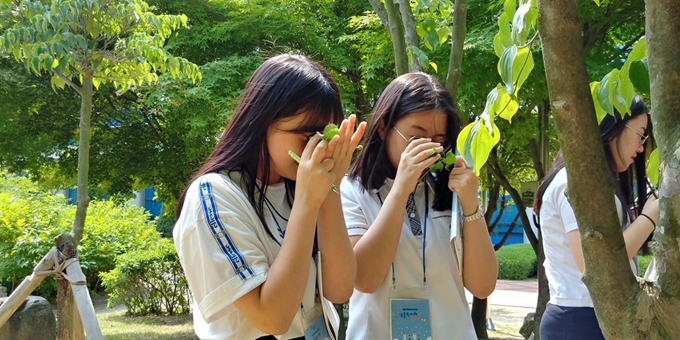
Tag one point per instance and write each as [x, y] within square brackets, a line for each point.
[427, 209]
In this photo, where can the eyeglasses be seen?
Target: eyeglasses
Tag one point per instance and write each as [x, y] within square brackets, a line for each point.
[443, 141]
[643, 138]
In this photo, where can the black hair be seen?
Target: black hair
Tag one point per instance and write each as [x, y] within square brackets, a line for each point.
[611, 128]
[283, 86]
[407, 94]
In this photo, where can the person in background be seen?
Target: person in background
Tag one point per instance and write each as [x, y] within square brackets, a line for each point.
[570, 313]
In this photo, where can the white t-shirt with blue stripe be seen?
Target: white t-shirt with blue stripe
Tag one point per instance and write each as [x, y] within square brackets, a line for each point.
[226, 252]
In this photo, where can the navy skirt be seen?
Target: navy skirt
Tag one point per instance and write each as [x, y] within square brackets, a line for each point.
[570, 323]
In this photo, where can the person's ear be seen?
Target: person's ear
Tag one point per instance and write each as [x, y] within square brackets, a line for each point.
[381, 130]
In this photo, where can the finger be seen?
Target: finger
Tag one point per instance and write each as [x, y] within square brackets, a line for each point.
[460, 162]
[319, 152]
[423, 146]
[433, 152]
[357, 135]
[311, 145]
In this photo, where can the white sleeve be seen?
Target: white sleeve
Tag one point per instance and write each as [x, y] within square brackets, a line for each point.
[218, 245]
[355, 219]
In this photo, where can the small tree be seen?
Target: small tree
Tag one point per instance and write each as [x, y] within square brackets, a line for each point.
[83, 44]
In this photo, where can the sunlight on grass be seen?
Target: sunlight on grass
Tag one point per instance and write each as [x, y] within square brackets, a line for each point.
[118, 326]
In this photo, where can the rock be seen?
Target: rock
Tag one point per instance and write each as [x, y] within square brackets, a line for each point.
[527, 328]
[33, 320]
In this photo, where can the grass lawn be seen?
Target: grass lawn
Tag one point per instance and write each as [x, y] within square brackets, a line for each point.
[118, 326]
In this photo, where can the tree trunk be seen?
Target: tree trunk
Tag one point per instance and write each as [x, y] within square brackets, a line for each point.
[86, 93]
[663, 50]
[544, 139]
[543, 289]
[457, 41]
[410, 35]
[397, 34]
[68, 243]
[623, 309]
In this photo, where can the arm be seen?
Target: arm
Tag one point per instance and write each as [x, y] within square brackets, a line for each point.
[634, 236]
[480, 265]
[272, 306]
[338, 261]
[375, 250]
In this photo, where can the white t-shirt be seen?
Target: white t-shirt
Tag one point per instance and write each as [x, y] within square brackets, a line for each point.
[369, 314]
[558, 219]
[226, 252]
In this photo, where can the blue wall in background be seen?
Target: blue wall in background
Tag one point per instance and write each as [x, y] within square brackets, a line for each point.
[509, 215]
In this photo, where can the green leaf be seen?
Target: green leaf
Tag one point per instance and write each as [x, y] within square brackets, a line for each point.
[639, 50]
[521, 68]
[505, 105]
[502, 40]
[505, 66]
[477, 142]
[519, 24]
[599, 111]
[434, 66]
[639, 75]
[653, 167]
[603, 95]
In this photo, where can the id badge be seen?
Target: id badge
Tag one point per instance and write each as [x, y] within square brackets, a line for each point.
[317, 330]
[410, 319]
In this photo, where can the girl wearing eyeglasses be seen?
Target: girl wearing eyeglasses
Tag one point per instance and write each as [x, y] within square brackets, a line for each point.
[409, 282]
[570, 313]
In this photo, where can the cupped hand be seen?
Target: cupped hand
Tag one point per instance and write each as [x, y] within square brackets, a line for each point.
[418, 156]
[315, 173]
[342, 146]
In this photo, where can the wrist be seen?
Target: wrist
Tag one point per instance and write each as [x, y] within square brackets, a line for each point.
[476, 215]
[643, 215]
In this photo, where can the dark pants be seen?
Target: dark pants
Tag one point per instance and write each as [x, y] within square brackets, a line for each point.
[570, 323]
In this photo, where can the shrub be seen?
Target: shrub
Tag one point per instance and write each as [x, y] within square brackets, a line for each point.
[31, 218]
[164, 225]
[149, 282]
[643, 263]
[516, 262]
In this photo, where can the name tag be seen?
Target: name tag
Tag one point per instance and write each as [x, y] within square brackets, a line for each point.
[410, 319]
[317, 330]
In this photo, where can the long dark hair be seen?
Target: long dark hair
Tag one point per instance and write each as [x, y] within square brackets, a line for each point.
[282, 87]
[409, 93]
[611, 128]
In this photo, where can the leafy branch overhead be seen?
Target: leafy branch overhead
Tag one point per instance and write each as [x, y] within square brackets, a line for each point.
[118, 42]
[512, 44]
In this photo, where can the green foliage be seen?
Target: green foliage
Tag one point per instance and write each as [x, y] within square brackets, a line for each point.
[165, 225]
[30, 219]
[516, 262]
[643, 263]
[617, 89]
[111, 41]
[149, 282]
[511, 44]
[653, 167]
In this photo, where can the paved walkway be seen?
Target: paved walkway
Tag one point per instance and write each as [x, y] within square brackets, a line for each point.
[511, 302]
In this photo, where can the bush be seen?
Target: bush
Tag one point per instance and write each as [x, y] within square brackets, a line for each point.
[31, 218]
[516, 262]
[643, 263]
[149, 282]
[164, 225]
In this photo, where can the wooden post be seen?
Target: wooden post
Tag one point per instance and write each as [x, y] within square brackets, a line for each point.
[26, 287]
[83, 304]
